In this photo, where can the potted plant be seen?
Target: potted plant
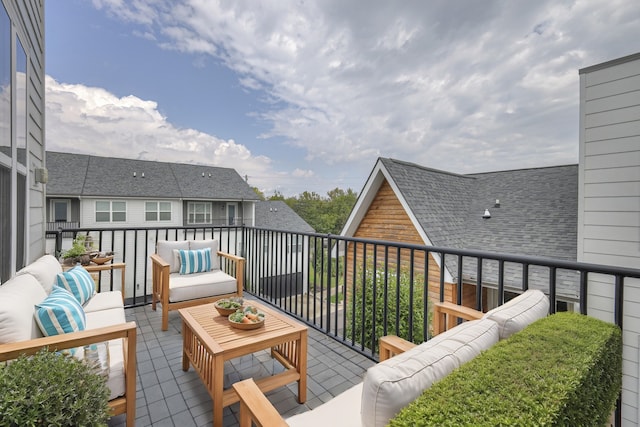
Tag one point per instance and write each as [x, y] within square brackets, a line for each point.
[77, 252]
[52, 389]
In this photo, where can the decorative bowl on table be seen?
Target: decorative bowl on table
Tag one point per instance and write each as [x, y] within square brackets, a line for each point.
[101, 260]
[247, 318]
[227, 306]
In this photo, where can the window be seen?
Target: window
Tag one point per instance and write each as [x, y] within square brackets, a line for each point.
[60, 210]
[5, 84]
[157, 211]
[231, 213]
[21, 103]
[199, 213]
[5, 223]
[107, 211]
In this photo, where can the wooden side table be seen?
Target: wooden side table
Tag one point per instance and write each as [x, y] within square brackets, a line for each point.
[95, 268]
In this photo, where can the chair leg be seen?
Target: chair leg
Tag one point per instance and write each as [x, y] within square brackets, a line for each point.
[165, 316]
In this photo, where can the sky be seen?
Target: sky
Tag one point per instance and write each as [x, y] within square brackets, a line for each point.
[306, 95]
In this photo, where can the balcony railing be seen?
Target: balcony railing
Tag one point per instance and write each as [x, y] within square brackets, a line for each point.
[336, 284]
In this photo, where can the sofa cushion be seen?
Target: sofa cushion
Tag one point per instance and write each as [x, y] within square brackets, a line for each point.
[200, 285]
[18, 298]
[342, 410]
[165, 249]
[520, 312]
[103, 301]
[44, 269]
[214, 245]
[391, 385]
[110, 317]
[60, 313]
[195, 261]
[79, 282]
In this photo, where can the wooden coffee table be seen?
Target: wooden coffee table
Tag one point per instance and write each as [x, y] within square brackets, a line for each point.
[209, 340]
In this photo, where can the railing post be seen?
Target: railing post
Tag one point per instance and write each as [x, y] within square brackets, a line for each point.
[58, 249]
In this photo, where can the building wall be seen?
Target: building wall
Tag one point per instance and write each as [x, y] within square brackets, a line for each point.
[609, 200]
[135, 214]
[27, 26]
[386, 219]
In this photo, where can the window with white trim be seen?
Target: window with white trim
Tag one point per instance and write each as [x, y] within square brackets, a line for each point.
[199, 213]
[111, 211]
[157, 211]
[60, 210]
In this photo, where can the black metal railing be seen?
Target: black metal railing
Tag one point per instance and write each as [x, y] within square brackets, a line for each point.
[355, 290]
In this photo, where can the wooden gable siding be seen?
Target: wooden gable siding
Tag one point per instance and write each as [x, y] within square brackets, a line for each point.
[386, 219]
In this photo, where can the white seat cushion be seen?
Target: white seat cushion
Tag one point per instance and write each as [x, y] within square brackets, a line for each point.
[391, 385]
[520, 312]
[109, 317]
[104, 301]
[45, 270]
[200, 285]
[341, 411]
[18, 298]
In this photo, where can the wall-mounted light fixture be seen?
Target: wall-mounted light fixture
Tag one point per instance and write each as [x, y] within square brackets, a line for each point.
[41, 175]
[486, 214]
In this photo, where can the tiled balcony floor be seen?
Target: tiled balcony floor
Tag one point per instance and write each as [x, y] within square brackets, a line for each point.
[167, 396]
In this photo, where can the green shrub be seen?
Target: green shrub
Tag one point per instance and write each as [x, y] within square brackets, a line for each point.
[563, 370]
[365, 304]
[52, 389]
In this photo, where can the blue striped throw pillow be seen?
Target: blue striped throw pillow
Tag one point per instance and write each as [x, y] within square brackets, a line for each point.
[196, 261]
[79, 282]
[60, 313]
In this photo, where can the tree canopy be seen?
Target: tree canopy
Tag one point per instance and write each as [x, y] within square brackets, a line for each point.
[325, 214]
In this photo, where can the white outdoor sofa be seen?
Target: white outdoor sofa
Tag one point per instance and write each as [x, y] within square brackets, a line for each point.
[404, 372]
[105, 322]
[174, 290]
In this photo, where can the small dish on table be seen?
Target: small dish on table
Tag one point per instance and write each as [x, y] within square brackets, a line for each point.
[227, 306]
[101, 260]
[247, 318]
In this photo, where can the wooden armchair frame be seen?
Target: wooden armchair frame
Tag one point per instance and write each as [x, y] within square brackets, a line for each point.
[126, 331]
[256, 409]
[230, 264]
[446, 315]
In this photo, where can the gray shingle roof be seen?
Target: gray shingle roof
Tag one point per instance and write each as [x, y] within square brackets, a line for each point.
[537, 215]
[83, 175]
[277, 215]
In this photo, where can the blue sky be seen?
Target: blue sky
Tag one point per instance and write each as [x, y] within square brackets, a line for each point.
[305, 95]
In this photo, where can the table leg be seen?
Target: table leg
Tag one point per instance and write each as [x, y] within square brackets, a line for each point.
[186, 332]
[218, 388]
[302, 368]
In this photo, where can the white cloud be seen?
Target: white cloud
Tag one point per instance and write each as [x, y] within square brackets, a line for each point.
[89, 120]
[465, 86]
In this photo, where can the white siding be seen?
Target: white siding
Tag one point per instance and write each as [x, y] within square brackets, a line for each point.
[609, 201]
[135, 214]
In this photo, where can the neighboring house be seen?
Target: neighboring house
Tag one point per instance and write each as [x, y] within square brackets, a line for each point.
[609, 208]
[98, 192]
[533, 212]
[284, 254]
[22, 145]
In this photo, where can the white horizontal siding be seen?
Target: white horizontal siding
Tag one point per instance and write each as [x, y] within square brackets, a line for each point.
[620, 145]
[609, 202]
[135, 214]
[616, 102]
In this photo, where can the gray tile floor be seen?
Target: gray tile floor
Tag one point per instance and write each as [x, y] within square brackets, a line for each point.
[167, 396]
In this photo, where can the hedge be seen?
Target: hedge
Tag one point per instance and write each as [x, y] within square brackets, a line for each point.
[563, 370]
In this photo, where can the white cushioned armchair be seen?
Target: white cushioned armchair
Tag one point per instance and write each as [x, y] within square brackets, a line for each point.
[178, 283]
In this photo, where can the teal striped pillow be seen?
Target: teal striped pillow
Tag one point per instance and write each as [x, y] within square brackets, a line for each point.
[196, 261]
[79, 282]
[60, 313]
